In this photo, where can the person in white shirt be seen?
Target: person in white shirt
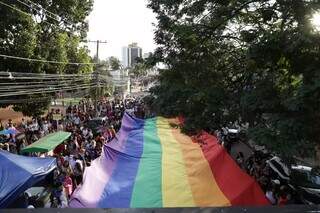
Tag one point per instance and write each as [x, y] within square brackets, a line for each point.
[85, 132]
[45, 127]
[270, 194]
[60, 126]
[72, 162]
[77, 120]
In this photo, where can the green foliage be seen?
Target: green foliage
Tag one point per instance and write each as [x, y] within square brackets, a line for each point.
[142, 66]
[114, 63]
[256, 61]
[39, 108]
[44, 37]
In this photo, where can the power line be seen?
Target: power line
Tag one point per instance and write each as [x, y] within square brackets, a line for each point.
[39, 78]
[52, 82]
[15, 76]
[52, 88]
[44, 61]
[48, 83]
[19, 93]
[22, 12]
[45, 85]
[32, 8]
[32, 74]
[14, 8]
[31, 15]
[47, 11]
[44, 74]
[25, 100]
[21, 87]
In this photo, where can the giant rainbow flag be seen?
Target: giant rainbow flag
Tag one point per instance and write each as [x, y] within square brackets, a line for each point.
[150, 164]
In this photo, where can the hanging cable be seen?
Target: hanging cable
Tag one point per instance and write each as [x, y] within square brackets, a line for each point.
[50, 88]
[51, 15]
[24, 87]
[46, 91]
[46, 78]
[29, 6]
[14, 8]
[47, 83]
[43, 61]
[51, 82]
[45, 74]
[22, 12]
[26, 100]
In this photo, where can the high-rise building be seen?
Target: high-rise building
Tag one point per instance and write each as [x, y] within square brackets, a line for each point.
[130, 55]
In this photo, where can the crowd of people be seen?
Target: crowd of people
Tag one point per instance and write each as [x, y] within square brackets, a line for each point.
[277, 190]
[92, 125]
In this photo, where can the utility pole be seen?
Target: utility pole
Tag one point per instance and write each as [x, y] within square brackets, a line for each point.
[98, 42]
[96, 72]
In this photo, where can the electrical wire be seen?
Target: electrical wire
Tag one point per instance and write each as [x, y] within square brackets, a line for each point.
[46, 91]
[14, 8]
[37, 78]
[44, 84]
[15, 101]
[25, 4]
[51, 82]
[43, 74]
[42, 78]
[22, 12]
[30, 15]
[44, 61]
[17, 87]
[47, 11]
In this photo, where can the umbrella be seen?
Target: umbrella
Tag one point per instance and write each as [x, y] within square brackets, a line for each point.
[9, 132]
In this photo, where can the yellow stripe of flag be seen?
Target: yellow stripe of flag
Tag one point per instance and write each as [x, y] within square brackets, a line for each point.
[176, 191]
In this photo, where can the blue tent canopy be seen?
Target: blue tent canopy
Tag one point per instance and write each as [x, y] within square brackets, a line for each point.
[8, 132]
[18, 173]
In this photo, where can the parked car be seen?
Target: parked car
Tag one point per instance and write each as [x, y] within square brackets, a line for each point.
[279, 168]
[307, 183]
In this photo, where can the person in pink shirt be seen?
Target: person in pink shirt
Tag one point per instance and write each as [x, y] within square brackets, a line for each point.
[68, 185]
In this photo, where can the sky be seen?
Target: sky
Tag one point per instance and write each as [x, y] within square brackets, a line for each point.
[121, 22]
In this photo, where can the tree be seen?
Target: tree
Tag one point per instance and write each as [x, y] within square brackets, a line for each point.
[114, 63]
[142, 66]
[253, 60]
[40, 35]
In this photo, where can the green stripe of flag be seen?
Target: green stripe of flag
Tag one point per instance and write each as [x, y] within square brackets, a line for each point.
[147, 190]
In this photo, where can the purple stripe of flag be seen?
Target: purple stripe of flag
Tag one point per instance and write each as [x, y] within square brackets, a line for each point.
[97, 176]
